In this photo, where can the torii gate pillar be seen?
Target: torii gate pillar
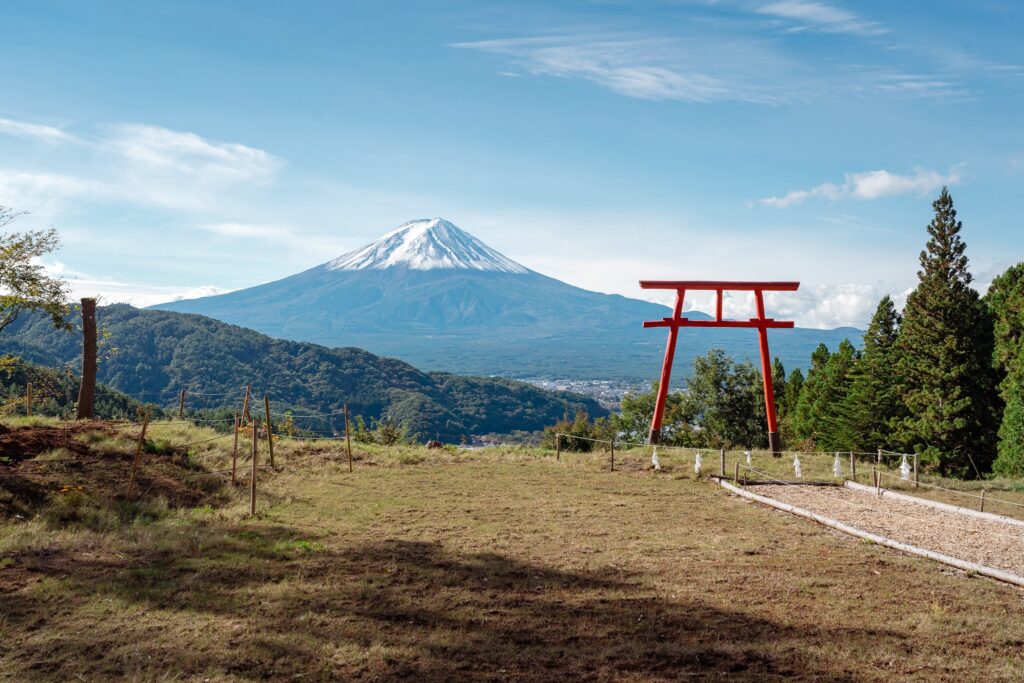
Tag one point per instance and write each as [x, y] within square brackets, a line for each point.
[760, 323]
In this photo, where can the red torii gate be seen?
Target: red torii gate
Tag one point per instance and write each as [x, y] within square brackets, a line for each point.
[760, 323]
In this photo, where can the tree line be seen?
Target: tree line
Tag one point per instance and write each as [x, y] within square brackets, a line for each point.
[943, 378]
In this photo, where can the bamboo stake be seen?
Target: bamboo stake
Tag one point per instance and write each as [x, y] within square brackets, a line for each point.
[234, 451]
[181, 404]
[348, 439]
[252, 478]
[270, 435]
[245, 406]
[28, 400]
[138, 452]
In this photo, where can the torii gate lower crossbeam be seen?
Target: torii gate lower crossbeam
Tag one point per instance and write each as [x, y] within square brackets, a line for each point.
[760, 323]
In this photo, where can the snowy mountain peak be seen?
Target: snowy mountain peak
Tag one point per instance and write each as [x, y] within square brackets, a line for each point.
[427, 244]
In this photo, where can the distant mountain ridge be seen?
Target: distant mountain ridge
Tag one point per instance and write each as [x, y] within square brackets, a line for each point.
[433, 295]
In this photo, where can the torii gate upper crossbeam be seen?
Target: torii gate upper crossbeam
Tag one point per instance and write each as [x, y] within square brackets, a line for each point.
[760, 323]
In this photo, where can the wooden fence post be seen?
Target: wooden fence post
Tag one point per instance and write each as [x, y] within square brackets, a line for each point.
[234, 451]
[181, 405]
[983, 500]
[270, 435]
[252, 482]
[736, 472]
[28, 400]
[721, 462]
[853, 466]
[878, 460]
[916, 481]
[613, 454]
[877, 480]
[138, 452]
[348, 439]
[558, 447]
[245, 406]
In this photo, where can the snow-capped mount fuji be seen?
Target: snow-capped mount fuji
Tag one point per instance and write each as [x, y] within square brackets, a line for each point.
[435, 296]
[427, 244]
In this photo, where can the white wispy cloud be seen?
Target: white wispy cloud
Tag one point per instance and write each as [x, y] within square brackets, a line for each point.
[806, 15]
[188, 154]
[645, 67]
[146, 166]
[725, 64]
[37, 131]
[869, 185]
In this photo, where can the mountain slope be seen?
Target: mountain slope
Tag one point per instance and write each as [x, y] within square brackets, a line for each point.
[433, 295]
[159, 352]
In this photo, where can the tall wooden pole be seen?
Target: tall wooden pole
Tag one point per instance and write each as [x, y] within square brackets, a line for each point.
[245, 406]
[270, 435]
[916, 481]
[252, 479]
[28, 400]
[87, 392]
[853, 466]
[234, 451]
[613, 455]
[348, 439]
[181, 404]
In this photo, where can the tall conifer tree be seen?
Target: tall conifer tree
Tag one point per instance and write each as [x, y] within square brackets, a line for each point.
[806, 417]
[1005, 299]
[873, 404]
[831, 429]
[779, 387]
[944, 357]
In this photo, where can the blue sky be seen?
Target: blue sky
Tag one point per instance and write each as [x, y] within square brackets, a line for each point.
[198, 147]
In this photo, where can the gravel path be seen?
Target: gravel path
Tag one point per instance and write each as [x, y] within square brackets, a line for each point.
[991, 543]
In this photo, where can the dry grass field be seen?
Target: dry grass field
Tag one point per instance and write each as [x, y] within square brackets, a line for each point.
[433, 565]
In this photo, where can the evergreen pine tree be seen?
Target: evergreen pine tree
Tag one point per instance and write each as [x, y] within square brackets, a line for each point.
[873, 403]
[943, 357]
[1005, 299]
[831, 429]
[794, 384]
[779, 387]
[806, 418]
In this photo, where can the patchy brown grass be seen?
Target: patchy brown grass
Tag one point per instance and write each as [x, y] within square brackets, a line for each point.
[493, 565]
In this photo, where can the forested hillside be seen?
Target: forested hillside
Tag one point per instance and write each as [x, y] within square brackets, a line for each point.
[151, 355]
[54, 392]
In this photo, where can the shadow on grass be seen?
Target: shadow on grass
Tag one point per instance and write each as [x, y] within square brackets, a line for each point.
[392, 609]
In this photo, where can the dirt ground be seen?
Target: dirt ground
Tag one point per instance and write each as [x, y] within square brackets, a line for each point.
[488, 566]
